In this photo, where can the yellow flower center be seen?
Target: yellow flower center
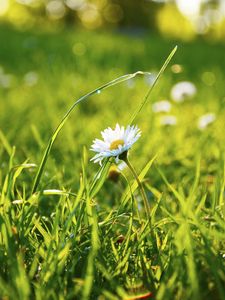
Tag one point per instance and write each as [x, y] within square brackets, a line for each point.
[115, 144]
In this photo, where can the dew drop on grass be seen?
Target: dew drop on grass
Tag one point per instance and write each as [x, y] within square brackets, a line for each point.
[98, 92]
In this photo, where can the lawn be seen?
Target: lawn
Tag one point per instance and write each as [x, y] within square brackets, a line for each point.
[82, 236]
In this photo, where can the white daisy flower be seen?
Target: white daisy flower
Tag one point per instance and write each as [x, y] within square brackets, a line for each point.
[115, 142]
[161, 106]
[205, 120]
[183, 90]
[168, 120]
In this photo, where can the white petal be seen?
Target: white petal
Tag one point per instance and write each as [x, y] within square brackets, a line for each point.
[129, 135]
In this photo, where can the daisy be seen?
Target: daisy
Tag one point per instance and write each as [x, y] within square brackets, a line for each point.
[183, 90]
[205, 120]
[168, 120]
[161, 106]
[115, 142]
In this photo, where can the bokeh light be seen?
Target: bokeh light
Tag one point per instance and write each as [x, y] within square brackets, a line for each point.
[4, 6]
[55, 9]
[175, 18]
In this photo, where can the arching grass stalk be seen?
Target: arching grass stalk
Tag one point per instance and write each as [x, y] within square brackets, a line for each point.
[85, 97]
[124, 157]
[66, 116]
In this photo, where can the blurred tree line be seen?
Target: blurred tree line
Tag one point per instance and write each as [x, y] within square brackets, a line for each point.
[88, 13]
[179, 18]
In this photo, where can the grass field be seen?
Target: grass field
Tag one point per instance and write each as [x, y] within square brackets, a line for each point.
[78, 237]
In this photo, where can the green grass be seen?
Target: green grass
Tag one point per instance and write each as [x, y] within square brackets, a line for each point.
[82, 238]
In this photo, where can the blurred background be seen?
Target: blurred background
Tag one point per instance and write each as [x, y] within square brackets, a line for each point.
[53, 52]
[174, 18]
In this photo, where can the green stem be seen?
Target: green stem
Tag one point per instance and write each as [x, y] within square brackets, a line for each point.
[147, 208]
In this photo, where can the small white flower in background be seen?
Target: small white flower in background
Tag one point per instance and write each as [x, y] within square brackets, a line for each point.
[205, 120]
[161, 106]
[5, 80]
[183, 90]
[168, 120]
[31, 78]
[115, 142]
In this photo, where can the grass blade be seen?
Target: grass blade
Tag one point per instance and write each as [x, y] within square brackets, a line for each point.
[153, 85]
[66, 116]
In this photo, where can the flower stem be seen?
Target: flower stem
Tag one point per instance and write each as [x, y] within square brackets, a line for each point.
[147, 208]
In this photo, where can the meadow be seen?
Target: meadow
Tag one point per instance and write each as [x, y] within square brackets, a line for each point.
[82, 236]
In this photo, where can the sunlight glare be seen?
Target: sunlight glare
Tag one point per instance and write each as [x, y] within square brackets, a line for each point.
[190, 7]
[4, 6]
